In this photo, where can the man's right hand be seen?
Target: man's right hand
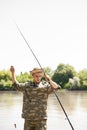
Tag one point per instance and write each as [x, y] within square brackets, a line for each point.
[12, 69]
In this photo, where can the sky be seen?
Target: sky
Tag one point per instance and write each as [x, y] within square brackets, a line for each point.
[56, 31]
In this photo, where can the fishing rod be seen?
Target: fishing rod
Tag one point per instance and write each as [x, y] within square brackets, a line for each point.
[44, 75]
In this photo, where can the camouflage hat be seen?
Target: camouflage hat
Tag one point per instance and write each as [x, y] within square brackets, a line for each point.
[36, 70]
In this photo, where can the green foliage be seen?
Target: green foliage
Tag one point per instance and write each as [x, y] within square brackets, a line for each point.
[73, 84]
[24, 77]
[5, 80]
[83, 77]
[63, 73]
[83, 74]
[5, 75]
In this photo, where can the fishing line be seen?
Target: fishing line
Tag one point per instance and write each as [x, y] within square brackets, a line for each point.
[44, 75]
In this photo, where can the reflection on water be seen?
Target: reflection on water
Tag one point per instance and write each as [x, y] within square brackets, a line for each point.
[74, 103]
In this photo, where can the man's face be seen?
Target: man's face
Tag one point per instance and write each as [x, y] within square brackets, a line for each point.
[37, 77]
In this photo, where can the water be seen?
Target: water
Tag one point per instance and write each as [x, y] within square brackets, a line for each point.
[74, 103]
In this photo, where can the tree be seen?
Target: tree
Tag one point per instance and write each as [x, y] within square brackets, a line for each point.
[24, 77]
[5, 75]
[63, 73]
[5, 80]
[73, 84]
[83, 78]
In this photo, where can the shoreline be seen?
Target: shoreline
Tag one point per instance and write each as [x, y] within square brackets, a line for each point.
[12, 89]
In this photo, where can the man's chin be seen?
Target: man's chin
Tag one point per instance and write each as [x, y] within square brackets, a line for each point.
[37, 82]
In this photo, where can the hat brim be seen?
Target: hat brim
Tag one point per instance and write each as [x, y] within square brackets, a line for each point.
[35, 71]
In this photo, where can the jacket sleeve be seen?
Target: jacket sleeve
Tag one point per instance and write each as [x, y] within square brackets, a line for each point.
[20, 86]
[51, 89]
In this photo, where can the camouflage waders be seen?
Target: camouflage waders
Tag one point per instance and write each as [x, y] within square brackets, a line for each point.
[35, 125]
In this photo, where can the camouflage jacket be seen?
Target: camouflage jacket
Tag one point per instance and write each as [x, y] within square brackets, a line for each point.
[34, 99]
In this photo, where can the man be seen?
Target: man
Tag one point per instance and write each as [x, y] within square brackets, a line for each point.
[35, 95]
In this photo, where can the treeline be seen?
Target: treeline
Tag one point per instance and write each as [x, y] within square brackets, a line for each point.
[64, 75]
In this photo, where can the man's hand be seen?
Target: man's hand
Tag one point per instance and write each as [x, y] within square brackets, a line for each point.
[54, 84]
[47, 77]
[12, 69]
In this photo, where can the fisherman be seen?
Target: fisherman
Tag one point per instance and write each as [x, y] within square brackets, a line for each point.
[35, 95]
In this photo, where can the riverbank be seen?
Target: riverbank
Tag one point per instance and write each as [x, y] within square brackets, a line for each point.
[7, 88]
[13, 89]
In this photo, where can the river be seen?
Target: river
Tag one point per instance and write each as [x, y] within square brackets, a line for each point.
[73, 102]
